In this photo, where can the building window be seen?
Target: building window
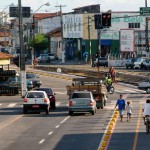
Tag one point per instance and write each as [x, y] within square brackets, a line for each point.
[74, 26]
[64, 27]
[79, 26]
[67, 27]
[134, 25]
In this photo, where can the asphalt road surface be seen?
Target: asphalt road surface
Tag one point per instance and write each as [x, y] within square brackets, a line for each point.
[59, 131]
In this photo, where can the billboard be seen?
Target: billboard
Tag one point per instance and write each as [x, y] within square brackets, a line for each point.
[126, 40]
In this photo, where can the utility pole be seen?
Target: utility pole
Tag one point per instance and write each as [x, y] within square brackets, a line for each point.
[33, 37]
[22, 53]
[89, 36]
[146, 33]
[62, 41]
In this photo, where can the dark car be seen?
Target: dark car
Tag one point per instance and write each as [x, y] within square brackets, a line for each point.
[34, 78]
[50, 94]
[145, 64]
[130, 63]
[102, 61]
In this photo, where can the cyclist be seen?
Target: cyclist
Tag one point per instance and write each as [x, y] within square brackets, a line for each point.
[146, 109]
[108, 82]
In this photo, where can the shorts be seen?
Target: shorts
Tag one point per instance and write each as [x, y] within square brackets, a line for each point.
[121, 112]
[129, 114]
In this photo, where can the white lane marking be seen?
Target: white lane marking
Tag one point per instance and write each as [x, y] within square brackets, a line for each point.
[57, 126]
[50, 133]
[41, 141]
[118, 91]
[61, 93]
[12, 105]
[65, 119]
[132, 91]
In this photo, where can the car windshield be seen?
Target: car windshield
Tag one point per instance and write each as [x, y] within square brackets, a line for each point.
[51, 54]
[35, 95]
[47, 90]
[81, 95]
[30, 76]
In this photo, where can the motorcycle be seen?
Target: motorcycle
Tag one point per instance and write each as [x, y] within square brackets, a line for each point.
[111, 89]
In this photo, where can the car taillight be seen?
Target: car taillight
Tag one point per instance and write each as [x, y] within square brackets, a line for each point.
[70, 103]
[25, 100]
[91, 103]
[46, 100]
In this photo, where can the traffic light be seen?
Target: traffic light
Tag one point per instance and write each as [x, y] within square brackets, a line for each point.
[98, 21]
[16, 61]
[106, 19]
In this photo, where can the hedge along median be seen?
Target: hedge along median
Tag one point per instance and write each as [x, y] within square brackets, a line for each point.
[121, 76]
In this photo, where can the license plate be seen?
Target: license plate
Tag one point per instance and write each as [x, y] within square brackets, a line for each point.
[35, 106]
[81, 103]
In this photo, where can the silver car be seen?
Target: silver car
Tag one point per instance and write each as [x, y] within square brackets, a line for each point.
[82, 101]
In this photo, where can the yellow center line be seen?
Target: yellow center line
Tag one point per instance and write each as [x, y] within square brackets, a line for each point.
[137, 129]
[10, 122]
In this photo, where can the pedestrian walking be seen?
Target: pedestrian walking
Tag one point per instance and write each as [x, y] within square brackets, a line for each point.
[35, 62]
[112, 71]
[121, 106]
[92, 61]
[129, 111]
[86, 58]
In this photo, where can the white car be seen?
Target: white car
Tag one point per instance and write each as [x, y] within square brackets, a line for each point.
[36, 100]
[82, 101]
[144, 86]
[138, 62]
[145, 64]
[52, 56]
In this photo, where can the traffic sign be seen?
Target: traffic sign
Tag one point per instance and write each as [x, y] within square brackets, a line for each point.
[144, 10]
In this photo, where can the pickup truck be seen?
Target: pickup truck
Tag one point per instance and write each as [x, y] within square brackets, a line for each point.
[145, 86]
[92, 85]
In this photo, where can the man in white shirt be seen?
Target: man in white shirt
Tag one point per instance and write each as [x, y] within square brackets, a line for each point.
[146, 109]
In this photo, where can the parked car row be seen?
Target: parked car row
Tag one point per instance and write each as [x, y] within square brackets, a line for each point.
[46, 58]
[138, 63]
[101, 61]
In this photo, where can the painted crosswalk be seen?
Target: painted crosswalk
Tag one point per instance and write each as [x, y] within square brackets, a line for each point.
[18, 105]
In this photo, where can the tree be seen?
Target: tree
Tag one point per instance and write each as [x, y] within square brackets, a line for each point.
[40, 42]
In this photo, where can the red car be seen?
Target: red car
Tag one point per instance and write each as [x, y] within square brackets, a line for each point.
[50, 94]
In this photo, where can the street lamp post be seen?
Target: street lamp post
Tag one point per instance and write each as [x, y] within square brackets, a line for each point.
[33, 28]
[2, 12]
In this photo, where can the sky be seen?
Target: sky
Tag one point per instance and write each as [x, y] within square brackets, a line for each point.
[114, 5]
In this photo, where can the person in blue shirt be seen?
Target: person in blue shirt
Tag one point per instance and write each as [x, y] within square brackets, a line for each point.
[121, 106]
